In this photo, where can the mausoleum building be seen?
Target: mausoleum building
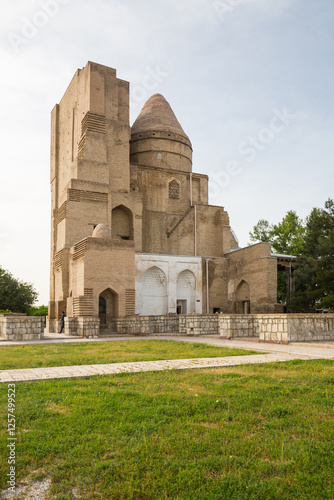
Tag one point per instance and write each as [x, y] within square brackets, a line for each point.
[133, 232]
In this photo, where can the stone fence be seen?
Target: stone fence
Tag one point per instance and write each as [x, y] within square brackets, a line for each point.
[198, 325]
[280, 328]
[146, 325]
[21, 327]
[83, 326]
[238, 325]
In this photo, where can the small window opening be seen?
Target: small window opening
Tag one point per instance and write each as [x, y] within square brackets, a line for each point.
[174, 190]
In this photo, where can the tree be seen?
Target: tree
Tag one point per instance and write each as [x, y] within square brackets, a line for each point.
[312, 242]
[314, 278]
[38, 311]
[263, 232]
[286, 237]
[16, 296]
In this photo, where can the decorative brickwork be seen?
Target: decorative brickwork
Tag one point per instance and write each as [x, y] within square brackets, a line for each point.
[83, 305]
[90, 123]
[79, 249]
[93, 123]
[61, 213]
[130, 302]
[78, 195]
[58, 260]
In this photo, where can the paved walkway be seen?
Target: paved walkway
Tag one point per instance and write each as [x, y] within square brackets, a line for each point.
[273, 353]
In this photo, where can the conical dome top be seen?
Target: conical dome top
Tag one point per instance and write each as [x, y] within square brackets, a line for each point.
[157, 115]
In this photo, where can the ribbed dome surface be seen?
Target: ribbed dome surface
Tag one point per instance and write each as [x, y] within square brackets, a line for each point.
[157, 115]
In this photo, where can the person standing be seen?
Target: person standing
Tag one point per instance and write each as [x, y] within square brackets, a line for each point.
[63, 316]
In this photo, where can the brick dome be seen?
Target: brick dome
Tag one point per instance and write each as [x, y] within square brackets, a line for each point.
[102, 231]
[157, 115]
[157, 138]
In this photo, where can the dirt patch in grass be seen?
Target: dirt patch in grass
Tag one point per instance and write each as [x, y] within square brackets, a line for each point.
[33, 491]
[59, 409]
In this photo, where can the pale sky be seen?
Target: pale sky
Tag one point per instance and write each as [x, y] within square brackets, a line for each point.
[251, 82]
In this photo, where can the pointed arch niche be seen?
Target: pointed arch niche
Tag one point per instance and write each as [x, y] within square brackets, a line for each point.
[154, 292]
[122, 223]
[108, 307]
[243, 305]
[186, 293]
[174, 189]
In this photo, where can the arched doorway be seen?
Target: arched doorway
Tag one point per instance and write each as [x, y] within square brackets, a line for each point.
[186, 293]
[154, 292]
[108, 307]
[122, 223]
[243, 298]
[103, 311]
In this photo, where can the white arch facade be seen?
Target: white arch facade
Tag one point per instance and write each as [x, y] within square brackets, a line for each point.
[154, 290]
[186, 292]
[183, 282]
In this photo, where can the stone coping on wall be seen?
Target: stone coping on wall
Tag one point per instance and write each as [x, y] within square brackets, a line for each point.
[13, 315]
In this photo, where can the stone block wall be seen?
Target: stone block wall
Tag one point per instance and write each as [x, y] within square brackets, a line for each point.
[199, 325]
[273, 328]
[53, 325]
[145, 325]
[238, 325]
[310, 327]
[279, 328]
[20, 327]
[84, 326]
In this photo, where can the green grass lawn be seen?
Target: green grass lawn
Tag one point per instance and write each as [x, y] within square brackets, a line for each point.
[248, 432]
[88, 353]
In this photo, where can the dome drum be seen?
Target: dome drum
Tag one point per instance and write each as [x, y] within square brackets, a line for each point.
[151, 134]
[162, 151]
[157, 138]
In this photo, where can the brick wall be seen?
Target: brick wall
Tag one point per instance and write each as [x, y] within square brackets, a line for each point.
[256, 267]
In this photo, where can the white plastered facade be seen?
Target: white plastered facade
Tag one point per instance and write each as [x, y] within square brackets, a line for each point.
[168, 284]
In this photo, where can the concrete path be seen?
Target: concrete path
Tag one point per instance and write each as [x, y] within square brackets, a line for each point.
[273, 353]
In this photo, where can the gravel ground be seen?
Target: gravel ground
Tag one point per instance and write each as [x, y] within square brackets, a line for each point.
[35, 491]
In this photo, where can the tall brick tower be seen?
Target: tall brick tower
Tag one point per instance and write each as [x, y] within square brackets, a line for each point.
[90, 186]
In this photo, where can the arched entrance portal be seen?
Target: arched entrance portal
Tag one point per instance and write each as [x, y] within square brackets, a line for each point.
[243, 298]
[103, 311]
[108, 307]
[186, 293]
[154, 292]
